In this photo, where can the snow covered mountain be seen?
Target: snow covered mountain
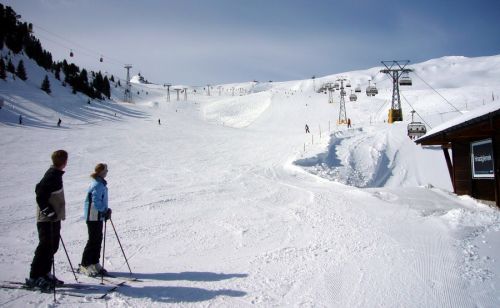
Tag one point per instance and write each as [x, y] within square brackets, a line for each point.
[228, 202]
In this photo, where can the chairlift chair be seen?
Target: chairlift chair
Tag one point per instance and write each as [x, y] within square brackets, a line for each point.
[358, 89]
[405, 81]
[368, 91]
[353, 97]
[71, 53]
[416, 130]
[100, 60]
[371, 91]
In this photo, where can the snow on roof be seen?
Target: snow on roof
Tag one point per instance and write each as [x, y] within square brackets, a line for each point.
[484, 110]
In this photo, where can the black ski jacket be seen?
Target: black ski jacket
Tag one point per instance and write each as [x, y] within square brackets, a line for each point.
[50, 192]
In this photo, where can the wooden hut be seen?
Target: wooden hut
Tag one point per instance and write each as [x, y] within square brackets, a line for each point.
[474, 140]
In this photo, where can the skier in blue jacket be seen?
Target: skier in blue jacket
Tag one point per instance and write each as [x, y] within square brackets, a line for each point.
[96, 211]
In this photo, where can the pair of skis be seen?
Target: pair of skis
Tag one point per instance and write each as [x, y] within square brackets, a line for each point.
[70, 289]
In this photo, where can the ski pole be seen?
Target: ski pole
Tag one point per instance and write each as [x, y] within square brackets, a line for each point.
[52, 252]
[69, 261]
[121, 247]
[103, 252]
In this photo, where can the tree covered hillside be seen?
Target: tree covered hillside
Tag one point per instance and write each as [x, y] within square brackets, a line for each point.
[17, 37]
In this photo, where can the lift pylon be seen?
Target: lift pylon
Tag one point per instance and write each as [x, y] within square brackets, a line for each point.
[395, 69]
[128, 87]
[168, 85]
[342, 112]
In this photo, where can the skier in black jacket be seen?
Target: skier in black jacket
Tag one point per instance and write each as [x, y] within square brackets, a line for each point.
[49, 213]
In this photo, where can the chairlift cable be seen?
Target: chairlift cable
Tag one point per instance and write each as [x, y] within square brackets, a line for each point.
[415, 110]
[380, 108]
[73, 43]
[437, 93]
[65, 46]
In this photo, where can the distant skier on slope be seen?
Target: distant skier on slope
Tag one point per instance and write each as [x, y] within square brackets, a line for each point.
[20, 119]
[49, 213]
[349, 123]
[307, 129]
[96, 211]
[59, 123]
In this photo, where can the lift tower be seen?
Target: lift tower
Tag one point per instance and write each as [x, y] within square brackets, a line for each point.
[177, 91]
[395, 69]
[168, 85]
[330, 90]
[128, 87]
[342, 112]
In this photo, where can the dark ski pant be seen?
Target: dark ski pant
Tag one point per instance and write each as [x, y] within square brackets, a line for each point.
[92, 250]
[48, 237]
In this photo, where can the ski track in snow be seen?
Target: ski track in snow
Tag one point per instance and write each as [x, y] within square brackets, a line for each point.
[228, 203]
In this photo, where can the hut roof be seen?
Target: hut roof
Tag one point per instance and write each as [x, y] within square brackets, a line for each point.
[438, 135]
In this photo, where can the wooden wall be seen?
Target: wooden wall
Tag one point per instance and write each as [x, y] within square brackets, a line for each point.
[496, 152]
[461, 168]
[464, 184]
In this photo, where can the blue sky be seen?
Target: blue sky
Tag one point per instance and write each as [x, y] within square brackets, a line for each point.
[221, 41]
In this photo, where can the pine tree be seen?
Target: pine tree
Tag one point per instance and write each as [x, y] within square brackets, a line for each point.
[112, 79]
[46, 85]
[10, 67]
[98, 85]
[57, 73]
[119, 83]
[21, 71]
[3, 74]
[106, 87]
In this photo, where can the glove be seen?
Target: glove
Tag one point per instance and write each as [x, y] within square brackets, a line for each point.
[107, 215]
[48, 212]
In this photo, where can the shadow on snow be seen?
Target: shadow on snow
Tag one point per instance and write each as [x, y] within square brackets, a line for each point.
[176, 294]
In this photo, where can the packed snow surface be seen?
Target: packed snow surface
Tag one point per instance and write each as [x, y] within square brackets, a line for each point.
[229, 203]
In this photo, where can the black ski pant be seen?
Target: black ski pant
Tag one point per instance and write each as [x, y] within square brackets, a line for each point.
[48, 243]
[92, 250]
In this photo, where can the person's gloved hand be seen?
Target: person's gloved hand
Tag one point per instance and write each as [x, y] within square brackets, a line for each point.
[48, 212]
[107, 216]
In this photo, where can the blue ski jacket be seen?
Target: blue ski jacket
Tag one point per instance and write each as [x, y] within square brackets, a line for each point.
[96, 202]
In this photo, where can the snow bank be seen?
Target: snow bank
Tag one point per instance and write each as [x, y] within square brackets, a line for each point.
[378, 156]
[238, 111]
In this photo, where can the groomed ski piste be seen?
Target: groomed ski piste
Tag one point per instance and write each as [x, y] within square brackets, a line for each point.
[229, 203]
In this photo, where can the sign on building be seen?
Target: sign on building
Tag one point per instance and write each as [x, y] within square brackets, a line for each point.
[482, 159]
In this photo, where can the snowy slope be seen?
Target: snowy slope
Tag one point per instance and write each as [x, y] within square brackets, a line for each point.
[229, 203]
